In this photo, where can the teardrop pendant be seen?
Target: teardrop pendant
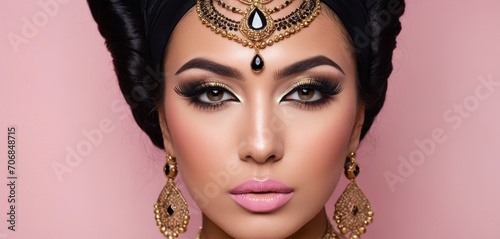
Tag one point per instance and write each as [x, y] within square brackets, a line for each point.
[353, 211]
[257, 20]
[256, 23]
[171, 211]
[257, 63]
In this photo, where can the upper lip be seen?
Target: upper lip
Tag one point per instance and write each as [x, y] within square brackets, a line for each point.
[265, 186]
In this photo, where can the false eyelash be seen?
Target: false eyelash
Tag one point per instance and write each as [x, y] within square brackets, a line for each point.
[327, 87]
[321, 84]
[192, 90]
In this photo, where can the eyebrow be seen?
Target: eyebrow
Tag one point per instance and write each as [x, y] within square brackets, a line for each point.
[295, 68]
[204, 64]
[305, 65]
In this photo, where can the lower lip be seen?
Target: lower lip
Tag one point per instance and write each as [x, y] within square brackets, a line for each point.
[266, 202]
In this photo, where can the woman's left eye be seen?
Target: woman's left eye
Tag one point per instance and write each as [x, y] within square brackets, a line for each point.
[313, 92]
[304, 94]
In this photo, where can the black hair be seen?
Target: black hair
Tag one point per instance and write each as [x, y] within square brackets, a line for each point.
[382, 29]
[122, 24]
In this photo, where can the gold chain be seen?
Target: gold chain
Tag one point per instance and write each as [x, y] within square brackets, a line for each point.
[248, 2]
[239, 11]
[262, 43]
[257, 24]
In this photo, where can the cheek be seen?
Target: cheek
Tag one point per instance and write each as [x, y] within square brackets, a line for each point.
[321, 145]
[328, 143]
[324, 134]
[203, 143]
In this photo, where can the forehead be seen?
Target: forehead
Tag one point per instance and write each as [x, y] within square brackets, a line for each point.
[325, 36]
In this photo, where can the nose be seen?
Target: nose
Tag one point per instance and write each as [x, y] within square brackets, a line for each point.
[260, 142]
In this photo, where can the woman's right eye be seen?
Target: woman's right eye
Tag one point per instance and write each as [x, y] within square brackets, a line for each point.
[215, 95]
[206, 95]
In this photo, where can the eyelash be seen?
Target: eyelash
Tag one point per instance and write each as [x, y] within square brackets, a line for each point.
[327, 89]
[194, 90]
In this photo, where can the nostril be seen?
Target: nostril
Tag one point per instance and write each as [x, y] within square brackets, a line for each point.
[259, 143]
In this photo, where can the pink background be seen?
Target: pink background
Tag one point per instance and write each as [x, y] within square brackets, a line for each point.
[58, 85]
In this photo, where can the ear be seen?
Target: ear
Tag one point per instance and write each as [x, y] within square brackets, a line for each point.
[167, 138]
[356, 131]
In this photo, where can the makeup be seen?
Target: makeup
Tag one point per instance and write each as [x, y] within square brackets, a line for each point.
[312, 92]
[261, 196]
[207, 95]
[308, 93]
[236, 134]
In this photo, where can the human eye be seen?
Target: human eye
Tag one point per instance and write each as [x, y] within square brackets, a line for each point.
[206, 95]
[313, 92]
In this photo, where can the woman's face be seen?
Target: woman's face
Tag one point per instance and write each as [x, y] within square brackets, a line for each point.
[260, 151]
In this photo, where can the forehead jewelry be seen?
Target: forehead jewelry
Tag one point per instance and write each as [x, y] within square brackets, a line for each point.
[237, 10]
[257, 26]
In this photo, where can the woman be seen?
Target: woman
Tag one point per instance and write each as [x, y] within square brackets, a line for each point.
[261, 105]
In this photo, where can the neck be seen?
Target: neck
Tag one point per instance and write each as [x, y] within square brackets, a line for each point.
[316, 228]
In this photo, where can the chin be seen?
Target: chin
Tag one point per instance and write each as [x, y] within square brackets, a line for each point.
[279, 224]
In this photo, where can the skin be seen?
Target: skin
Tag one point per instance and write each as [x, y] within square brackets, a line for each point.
[262, 131]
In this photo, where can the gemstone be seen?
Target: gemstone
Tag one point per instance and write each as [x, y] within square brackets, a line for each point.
[167, 169]
[355, 211]
[352, 167]
[356, 170]
[257, 63]
[257, 20]
[170, 210]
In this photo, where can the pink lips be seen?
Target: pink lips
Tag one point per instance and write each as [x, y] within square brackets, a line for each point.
[261, 196]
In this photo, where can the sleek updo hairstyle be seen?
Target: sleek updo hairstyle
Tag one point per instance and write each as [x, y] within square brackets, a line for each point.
[129, 26]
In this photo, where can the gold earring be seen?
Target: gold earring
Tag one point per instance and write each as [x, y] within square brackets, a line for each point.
[352, 210]
[171, 209]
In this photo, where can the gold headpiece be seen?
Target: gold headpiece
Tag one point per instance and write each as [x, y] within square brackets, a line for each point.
[257, 25]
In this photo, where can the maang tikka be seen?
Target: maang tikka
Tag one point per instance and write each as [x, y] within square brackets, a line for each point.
[257, 24]
[171, 209]
[352, 210]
